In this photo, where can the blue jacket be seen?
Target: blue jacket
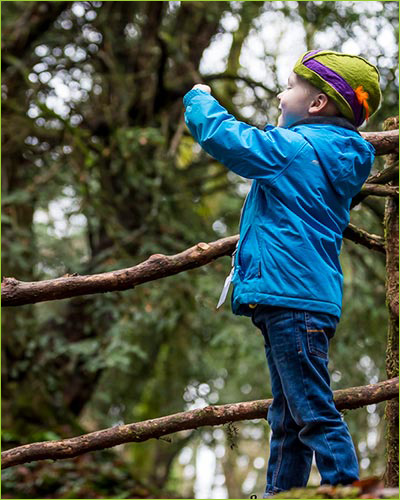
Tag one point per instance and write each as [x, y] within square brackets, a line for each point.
[304, 178]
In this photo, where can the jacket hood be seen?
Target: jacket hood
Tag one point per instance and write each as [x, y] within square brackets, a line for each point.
[343, 153]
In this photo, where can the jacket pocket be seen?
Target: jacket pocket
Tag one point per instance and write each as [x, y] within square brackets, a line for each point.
[248, 256]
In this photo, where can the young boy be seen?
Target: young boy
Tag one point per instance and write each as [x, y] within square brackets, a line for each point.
[287, 275]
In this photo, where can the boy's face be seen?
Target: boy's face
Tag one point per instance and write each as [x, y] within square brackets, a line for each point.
[294, 101]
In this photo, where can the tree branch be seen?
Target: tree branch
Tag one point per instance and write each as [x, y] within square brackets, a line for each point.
[379, 190]
[383, 142]
[382, 177]
[357, 235]
[351, 398]
[17, 293]
[386, 175]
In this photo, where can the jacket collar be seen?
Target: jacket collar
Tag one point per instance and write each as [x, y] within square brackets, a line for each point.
[326, 120]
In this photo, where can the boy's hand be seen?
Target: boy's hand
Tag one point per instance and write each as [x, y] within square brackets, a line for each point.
[201, 86]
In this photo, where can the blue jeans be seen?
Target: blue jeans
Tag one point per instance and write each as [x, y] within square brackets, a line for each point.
[303, 417]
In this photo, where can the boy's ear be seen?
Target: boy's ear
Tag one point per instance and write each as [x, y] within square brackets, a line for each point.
[318, 104]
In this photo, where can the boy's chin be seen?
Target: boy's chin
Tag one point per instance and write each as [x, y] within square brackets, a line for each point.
[284, 120]
[287, 121]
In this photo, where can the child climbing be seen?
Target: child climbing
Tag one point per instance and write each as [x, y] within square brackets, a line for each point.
[287, 275]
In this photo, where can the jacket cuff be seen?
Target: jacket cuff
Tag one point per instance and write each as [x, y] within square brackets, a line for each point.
[187, 97]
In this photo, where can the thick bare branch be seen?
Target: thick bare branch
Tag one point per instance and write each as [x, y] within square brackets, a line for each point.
[15, 293]
[372, 241]
[383, 142]
[379, 190]
[351, 398]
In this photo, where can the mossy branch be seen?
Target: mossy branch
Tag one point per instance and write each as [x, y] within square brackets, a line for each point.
[351, 398]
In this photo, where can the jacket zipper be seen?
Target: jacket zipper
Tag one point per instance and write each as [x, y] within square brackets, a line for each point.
[240, 225]
[228, 279]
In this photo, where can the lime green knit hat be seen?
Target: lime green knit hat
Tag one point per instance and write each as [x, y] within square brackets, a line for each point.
[350, 81]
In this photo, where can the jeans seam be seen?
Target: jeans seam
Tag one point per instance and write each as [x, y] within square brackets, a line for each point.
[297, 335]
[312, 413]
[280, 454]
[334, 457]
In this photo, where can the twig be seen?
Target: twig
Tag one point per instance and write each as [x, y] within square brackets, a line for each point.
[372, 241]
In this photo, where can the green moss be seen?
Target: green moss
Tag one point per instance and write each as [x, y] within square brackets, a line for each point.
[321, 492]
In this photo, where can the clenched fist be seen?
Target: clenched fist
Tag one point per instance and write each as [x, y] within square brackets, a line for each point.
[201, 86]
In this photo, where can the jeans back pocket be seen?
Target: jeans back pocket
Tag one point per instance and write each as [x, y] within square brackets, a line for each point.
[320, 328]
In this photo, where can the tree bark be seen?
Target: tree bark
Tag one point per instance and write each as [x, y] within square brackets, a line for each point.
[388, 174]
[383, 142]
[392, 299]
[351, 398]
[378, 190]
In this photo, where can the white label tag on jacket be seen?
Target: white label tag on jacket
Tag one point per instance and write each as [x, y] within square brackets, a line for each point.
[224, 292]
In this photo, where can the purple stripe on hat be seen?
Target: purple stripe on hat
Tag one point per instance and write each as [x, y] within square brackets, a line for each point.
[340, 85]
[311, 53]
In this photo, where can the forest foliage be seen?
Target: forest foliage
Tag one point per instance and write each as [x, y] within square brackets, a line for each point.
[98, 173]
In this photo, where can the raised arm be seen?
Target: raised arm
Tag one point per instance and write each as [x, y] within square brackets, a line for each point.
[246, 150]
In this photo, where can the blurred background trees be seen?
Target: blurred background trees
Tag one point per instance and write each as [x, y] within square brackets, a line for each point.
[99, 172]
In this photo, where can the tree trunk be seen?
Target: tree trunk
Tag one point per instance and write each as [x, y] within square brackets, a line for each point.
[392, 299]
